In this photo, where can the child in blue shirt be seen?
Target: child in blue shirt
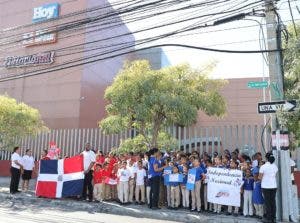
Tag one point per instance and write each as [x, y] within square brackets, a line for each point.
[175, 191]
[185, 192]
[258, 200]
[248, 191]
[196, 196]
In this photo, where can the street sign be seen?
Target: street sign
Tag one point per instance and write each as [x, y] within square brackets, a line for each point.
[274, 106]
[258, 84]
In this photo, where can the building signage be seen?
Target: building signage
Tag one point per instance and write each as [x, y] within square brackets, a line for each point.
[274, 106]
[45, 12]
[30, 60]
[38, 37]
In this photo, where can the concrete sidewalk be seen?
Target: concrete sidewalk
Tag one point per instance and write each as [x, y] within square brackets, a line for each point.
[28, 200]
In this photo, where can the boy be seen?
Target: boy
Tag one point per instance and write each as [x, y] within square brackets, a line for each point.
[196, 198]
[208, 163]
[218, 164]
[248, 190]
[98, 183]
[132, 170]
[168, 170]
[140, 175]
[185, 192]
[175, 191]
[123, 175]
[233, 165]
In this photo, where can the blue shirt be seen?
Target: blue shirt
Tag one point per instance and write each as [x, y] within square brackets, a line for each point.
[248, 183]
[257, 193]
[199, 172]
[173, 184]
[204, 167]
[152, 162]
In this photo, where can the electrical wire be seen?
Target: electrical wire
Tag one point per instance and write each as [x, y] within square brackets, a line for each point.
[292, 16]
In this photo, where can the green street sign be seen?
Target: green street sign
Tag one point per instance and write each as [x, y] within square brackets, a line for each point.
[258, 84]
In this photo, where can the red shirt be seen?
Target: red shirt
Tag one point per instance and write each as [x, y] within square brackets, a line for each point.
[100, 159]
[98, 176]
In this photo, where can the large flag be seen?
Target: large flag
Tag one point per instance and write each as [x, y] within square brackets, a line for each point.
[60, 178]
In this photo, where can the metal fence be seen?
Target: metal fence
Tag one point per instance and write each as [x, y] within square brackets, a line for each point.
[209, 139]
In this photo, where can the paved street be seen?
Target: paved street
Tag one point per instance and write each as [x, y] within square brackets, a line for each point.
[25, 207]
[35, 214]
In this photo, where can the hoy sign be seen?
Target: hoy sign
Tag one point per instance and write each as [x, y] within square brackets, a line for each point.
[45, 12]
[274, 106]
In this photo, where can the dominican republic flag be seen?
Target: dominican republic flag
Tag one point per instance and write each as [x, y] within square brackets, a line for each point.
[60, 178]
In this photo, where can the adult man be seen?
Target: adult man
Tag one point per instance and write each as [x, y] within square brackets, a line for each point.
[15, 170]
[89, 159]
[155, 170]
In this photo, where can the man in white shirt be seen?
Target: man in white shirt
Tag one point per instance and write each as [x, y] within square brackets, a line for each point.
[15, 170]
[28, 164]
[89, 159]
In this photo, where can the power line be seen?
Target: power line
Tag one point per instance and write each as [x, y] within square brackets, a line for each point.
[292, 16]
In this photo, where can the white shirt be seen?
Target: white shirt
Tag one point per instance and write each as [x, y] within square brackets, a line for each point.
[15, 157]
[28, 162]
[123, 175]
[292, 164]
[88, 158]
[140, 176]
[269, 172]
[132, 169]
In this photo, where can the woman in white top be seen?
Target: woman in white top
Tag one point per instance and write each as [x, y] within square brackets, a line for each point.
[28, 165]
[267, 174]
[15, 170]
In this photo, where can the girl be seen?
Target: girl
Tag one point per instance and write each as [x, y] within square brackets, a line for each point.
[28, 165]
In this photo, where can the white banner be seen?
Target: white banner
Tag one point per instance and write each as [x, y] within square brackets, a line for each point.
[224, 186]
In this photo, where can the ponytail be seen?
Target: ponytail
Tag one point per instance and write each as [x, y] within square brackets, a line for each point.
[271, 159]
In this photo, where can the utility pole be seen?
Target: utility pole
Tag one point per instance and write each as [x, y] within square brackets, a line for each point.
[284, 184]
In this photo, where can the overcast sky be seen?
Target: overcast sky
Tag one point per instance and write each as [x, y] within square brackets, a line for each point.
[229, 65]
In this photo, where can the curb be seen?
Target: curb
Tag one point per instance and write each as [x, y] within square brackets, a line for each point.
[114, 208]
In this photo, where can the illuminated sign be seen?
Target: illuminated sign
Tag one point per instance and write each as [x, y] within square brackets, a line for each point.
[45, 12]
[38, 37]
[29, 60]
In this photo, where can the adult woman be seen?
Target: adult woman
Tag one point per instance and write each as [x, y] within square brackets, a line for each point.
[267, 174]
[16, 167]
[28, 164]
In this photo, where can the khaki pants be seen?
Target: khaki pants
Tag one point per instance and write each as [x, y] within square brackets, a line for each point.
[107, 194]
[148, 188]
[175, 196]
[124, 192]
[98, 192]
[185, 193]
[131, 190]
[217, 208]
[196, 198]
[248, 208]
[259, 210]
[236, 209]
[205, 197]
[168, 189]
[138, 189]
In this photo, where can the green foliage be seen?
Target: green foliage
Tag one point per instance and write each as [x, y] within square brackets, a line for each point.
[292, 84]
[17, 120]
[149, 100]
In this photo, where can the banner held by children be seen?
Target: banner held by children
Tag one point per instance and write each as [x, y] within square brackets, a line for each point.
[224, 186]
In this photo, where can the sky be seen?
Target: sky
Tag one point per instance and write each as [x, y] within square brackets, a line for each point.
[225, 37]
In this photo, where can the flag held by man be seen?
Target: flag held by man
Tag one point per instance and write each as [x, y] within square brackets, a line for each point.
[60, 178]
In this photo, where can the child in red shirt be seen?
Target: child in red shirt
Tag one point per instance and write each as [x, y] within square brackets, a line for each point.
[98, 183]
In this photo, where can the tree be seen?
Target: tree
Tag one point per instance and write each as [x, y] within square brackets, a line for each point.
[17, 120]
[292, 84]
[149, 100]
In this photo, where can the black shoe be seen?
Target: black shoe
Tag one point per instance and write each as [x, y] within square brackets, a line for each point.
[228, 213]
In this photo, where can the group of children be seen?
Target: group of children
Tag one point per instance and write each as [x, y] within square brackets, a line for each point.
[125, 179]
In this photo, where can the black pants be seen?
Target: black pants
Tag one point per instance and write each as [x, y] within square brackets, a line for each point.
[87, 186]
[154, 191]
[15, 179]
[270, 203]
